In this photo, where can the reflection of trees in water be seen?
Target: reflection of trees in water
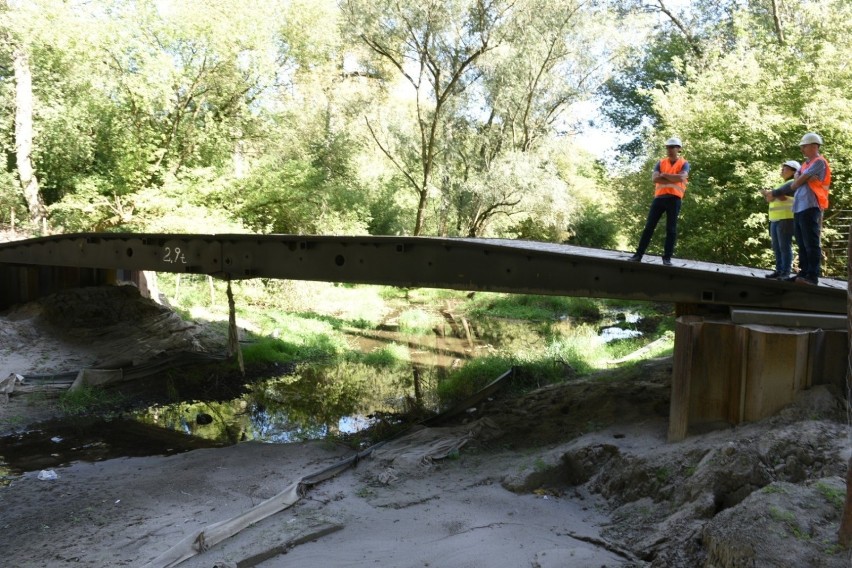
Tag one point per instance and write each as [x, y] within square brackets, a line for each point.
[228, 423]
[311, 402]
[308, 403]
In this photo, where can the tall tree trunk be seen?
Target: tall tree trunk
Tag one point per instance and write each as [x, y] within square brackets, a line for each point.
[776, 19]
[844, 536]
[421, 211]
[24, 139]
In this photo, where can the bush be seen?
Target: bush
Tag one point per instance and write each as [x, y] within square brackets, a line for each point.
[594, 227]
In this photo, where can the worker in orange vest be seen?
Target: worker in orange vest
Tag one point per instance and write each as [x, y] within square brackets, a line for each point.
[669, 177]
[810, 198]
[781, 223]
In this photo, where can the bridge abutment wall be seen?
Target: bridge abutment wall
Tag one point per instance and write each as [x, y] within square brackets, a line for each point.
[26, 283]
[727, 373]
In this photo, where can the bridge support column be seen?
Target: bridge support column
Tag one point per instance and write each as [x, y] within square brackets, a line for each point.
[726, 373]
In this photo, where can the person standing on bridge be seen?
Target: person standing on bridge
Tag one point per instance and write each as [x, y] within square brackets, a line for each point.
[781, 223]
[669, 177]
[810, 199]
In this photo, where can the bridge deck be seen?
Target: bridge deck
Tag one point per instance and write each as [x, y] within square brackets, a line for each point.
[462, 264]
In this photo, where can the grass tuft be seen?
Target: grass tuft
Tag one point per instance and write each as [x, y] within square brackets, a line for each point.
[87, 399]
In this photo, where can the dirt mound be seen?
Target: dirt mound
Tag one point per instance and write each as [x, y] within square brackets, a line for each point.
[563, 412]
[762, 494]
[102, 326]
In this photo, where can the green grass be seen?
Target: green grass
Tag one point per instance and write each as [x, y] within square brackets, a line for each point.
[86, 399]
[788, 519]
[834, 495]
[470, 378]
[781, 515]
[531, 308]
[388, 356]
[309, 347]
[428, 296]
[623, 347]
[662, 474]
[618, 348]
[417, 322]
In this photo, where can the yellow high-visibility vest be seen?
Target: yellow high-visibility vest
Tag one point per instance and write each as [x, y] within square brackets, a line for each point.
[779, 210]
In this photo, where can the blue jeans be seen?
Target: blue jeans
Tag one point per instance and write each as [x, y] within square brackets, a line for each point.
[808, 225]
[670, 205]
[781, 233]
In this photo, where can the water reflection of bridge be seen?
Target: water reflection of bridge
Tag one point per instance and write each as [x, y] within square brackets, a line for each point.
[718, 362]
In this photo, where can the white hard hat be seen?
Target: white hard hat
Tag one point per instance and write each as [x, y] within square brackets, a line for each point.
[792, 164]
[811, 138]
[674, 142]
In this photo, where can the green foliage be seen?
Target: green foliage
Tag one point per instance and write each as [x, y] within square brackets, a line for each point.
[471, 377]
[533, 229]
[10, 200]
[388, 356]
[277, 116]
[416, 322]
[300, 345]
[595, 227]
[581, 350]
[425, 295]
[303, 196]
[621, 347]
[533, 308]
[88, 399]
[551, 356]
[626, 95]
[741, 110]
[789, 520]
[390, 212]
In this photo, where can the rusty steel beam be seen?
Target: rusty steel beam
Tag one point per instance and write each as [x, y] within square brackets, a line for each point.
[462, 264]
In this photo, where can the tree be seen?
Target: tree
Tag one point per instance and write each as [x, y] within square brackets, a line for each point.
[488, 81]
[741, 113]
[186, 80]
[23, 119]
[674, 38]
[24, 139]
[435, 46]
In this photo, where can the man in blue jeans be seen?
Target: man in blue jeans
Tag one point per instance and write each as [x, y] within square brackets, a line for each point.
[669, 177]
[810, 198]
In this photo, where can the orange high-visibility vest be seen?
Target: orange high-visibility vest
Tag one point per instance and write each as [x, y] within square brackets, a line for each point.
[819, 187]
[676, 188]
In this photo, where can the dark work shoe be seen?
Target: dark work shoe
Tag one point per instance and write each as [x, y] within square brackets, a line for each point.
[775, 274]
[667, 261]
[807, 281]
[635, 258]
